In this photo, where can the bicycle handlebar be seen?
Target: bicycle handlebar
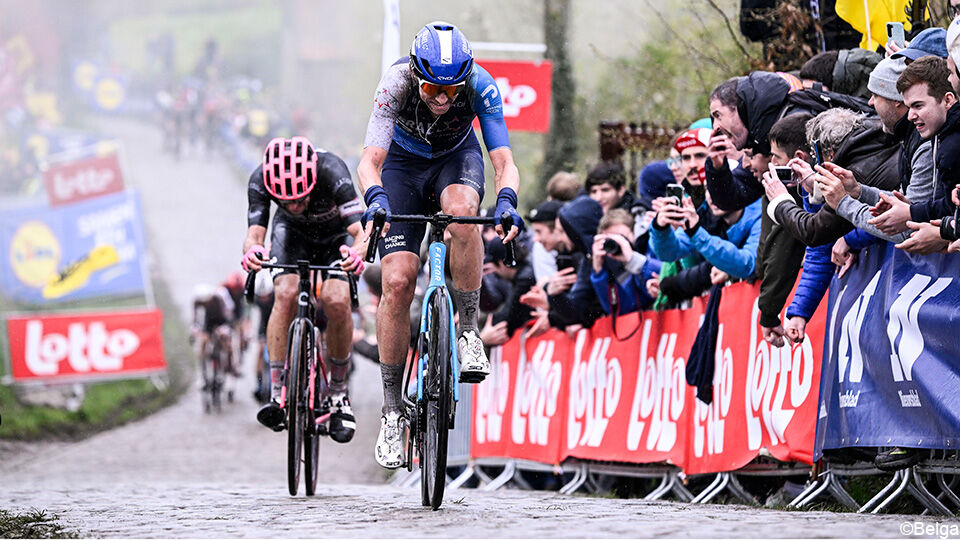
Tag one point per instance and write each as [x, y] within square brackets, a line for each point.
[380, 216]
[301, 266]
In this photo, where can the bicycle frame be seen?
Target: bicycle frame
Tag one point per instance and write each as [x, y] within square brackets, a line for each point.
[438, 257]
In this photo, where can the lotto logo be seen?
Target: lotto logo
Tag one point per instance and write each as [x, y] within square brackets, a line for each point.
[86, 348]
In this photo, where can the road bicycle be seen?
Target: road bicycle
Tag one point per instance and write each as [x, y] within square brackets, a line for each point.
[215, 360]
[432, 415]
[305, 377]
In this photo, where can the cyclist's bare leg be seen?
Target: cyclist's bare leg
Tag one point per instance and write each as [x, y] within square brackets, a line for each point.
[284, 310]
[393, 322]
[466, 250]
[335, 295]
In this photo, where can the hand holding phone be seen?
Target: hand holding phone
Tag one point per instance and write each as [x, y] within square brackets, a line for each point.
[896, 34]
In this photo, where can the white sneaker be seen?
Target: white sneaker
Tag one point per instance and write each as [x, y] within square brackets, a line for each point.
[390, 452]
[474, 366]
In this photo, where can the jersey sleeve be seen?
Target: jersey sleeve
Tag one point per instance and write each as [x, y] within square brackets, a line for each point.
[345, 195]
[258, 200]
[489, 108]
[386, 106]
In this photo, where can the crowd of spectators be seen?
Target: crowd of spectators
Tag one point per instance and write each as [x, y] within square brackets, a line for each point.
[797, 171]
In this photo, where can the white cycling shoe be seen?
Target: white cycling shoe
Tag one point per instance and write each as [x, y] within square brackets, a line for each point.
[389, 451]
[474, 366]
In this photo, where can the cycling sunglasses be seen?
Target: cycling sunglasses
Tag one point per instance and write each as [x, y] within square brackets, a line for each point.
[431, 90]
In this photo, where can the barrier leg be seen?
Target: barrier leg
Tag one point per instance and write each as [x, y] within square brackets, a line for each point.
[467, 474]
[508, 471]
[868, 506]
[840, 494]
[699, 499]
[810, 488]
[736, 488]
[483, 476]
[923, 495]
[824, 484]
[904, 480]
[579, 477]
[946, 491]
[662, 489]
[680, 490]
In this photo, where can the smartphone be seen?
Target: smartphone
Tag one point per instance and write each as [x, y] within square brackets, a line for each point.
[675, 191]
[896, 34]
[785, 175]
[566, 260]
[817, 153]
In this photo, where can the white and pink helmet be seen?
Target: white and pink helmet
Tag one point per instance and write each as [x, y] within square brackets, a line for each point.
[289, 168]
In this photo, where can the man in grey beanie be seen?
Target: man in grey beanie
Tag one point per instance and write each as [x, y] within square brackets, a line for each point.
[915, 161]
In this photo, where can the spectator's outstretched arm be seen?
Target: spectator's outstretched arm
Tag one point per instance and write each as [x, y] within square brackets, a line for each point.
[813, 229]
[814, 280]
[732, 190]
[739, 262]
[669, 245]
[687, 283]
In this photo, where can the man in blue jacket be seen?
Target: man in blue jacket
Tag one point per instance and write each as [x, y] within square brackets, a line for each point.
[733, 251]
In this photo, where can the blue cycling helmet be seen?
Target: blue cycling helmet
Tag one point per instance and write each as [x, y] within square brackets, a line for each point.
[440, 54]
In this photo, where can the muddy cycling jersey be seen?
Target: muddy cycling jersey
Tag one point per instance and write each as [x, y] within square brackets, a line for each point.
[334, 203]
[399, 115]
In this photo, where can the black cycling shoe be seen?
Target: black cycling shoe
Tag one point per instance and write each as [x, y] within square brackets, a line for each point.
[898, 458]
[271, 415]
[342, 422]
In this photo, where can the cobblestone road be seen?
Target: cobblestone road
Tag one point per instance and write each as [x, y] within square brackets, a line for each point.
[180, 473]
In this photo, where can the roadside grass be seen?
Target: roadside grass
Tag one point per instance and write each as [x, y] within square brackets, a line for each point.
[106, 404]
[33, 524]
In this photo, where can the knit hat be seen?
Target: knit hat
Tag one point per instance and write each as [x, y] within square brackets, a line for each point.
[953, 40]
[692, 137]
[932, 41]
[883, 78]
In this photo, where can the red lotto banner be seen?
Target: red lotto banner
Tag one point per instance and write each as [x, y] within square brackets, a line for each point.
[83, 179]
[85, 346]
[525, 90]
[597, 397]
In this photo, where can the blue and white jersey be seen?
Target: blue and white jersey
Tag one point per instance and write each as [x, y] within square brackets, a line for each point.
[399, 115]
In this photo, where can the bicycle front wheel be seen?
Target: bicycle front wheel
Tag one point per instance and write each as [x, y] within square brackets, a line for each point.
[296, 402]
[437, 396]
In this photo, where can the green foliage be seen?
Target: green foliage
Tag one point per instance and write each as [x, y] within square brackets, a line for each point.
[669, 78]
[33, 524]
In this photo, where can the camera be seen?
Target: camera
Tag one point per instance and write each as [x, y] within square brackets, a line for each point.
[566, 260]
[785, 175]
[611, 246]
[675, 191]
[950, 227]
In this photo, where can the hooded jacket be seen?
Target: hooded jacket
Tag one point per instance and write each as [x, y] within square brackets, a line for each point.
[946, 171]
[852, 72]
[579, 305]
[762, 98]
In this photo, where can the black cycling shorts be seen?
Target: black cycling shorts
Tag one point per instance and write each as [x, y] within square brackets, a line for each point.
[290, 242]
[414, 183]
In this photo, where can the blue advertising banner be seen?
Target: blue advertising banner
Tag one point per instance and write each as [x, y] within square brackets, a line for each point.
[92, 248]
[891, 359]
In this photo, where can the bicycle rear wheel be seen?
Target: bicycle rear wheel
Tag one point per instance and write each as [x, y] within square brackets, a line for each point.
[296, 403]
[311, 433]
[437, 395]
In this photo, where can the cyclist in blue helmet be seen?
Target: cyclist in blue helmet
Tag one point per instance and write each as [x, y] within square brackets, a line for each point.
[421, 155]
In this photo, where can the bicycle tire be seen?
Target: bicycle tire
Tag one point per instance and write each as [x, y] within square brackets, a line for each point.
[215, 380]
[295, 406]
[437, 395]
[311, 435]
